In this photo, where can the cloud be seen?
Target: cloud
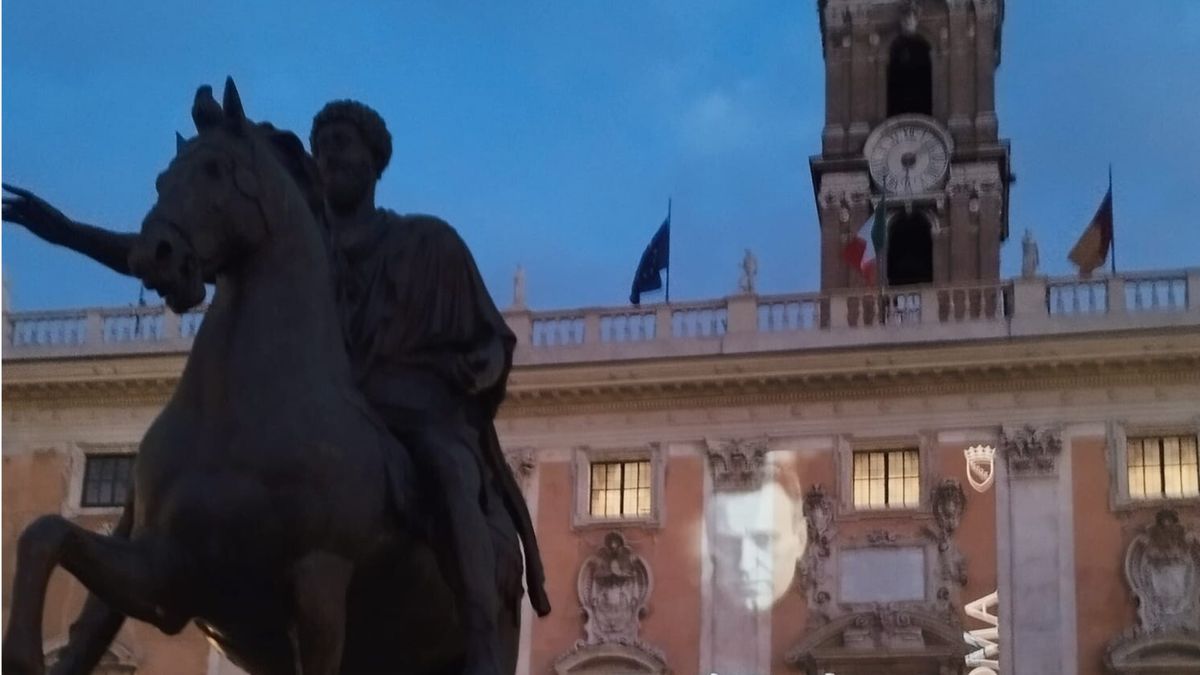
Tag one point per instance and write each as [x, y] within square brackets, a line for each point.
[722, 121]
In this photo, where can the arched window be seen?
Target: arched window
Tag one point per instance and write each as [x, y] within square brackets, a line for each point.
[909, 250]
[910, 77]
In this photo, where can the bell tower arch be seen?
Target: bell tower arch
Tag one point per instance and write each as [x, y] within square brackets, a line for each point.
[910, 115]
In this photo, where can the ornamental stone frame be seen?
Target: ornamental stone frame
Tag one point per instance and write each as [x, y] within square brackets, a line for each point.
[847, 444]
[937, 567]
[614, 586]
[1162, 568]
[585, 455]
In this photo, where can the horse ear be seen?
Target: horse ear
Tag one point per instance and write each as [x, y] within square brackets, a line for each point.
[300, 165]
[235, 116]
[206, 114]
[180, 142]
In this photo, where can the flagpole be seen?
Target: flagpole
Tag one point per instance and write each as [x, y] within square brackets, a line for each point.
[668, 250]
[1113, 236]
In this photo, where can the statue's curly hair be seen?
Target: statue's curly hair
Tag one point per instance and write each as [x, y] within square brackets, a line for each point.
[366, 120]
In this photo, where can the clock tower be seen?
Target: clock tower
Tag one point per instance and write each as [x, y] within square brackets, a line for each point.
[910, 117]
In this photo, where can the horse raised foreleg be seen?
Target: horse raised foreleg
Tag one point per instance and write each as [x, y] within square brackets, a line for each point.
[117, 571]
[97, 625]
[319, 584]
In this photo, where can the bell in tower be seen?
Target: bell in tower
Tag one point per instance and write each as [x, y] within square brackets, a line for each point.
[910, 122]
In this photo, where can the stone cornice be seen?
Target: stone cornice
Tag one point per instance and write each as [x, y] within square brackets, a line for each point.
[982, 366]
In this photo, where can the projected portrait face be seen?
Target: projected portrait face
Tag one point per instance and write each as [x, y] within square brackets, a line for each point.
[757, 538]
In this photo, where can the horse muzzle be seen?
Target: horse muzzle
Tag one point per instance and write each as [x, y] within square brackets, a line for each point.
[165, 261]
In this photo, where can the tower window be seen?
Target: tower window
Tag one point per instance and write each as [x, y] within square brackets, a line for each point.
[909, 250]
[910, 77]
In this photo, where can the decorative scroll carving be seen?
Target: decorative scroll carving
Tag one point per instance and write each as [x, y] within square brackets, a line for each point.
[614, 586]
[1162, 567]
[738, 465]
[814, 581]
[948, 501]
[1031, 451]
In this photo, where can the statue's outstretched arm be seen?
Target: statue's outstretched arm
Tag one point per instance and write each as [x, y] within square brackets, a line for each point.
[108, 248]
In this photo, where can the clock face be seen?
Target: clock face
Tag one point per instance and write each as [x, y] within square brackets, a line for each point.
[908, 157]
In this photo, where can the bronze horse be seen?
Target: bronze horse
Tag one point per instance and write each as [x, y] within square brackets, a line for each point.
[269, 505]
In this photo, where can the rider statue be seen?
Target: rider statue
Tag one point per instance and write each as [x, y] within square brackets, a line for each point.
[430, 352]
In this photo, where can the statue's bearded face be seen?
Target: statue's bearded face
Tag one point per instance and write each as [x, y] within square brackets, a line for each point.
[346, 164]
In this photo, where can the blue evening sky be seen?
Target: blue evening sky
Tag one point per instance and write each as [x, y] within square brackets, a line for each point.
[551, 133]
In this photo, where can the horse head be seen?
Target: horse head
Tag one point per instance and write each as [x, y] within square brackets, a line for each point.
[219, 199]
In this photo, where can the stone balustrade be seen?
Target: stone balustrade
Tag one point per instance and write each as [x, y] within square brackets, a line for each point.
[734, 324]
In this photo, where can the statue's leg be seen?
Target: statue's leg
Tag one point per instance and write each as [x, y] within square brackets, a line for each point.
[319, 583]
[97, 625]
[119, 572]
[445, 455]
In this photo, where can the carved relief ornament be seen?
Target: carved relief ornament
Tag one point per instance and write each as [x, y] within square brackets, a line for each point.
[847, 188]
[614, 587]
[1030, 451]
[1162, 567]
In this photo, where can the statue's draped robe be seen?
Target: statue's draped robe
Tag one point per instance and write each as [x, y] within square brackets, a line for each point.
[423, 333]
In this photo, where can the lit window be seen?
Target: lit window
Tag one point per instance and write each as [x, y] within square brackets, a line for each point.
[106, 480]
[620, 489]
[1163, 467]
[886, 479]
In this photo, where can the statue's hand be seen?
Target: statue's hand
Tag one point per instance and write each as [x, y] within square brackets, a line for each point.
[27, 209]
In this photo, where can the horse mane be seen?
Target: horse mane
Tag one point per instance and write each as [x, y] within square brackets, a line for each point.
[300, 165]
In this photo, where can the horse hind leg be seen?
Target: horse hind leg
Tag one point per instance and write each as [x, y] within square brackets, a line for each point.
[119, 572]
[319, 584]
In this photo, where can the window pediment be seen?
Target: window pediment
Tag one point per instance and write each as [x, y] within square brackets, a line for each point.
[895, 639]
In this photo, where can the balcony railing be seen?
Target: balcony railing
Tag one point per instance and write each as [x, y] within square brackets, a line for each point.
[739, 323]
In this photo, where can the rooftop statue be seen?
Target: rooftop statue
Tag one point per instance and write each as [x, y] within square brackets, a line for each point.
[324, 492]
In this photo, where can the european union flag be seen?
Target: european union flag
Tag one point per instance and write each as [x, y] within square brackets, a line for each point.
[655, 259]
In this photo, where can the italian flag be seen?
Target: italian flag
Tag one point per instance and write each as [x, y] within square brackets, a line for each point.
[862, 251]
